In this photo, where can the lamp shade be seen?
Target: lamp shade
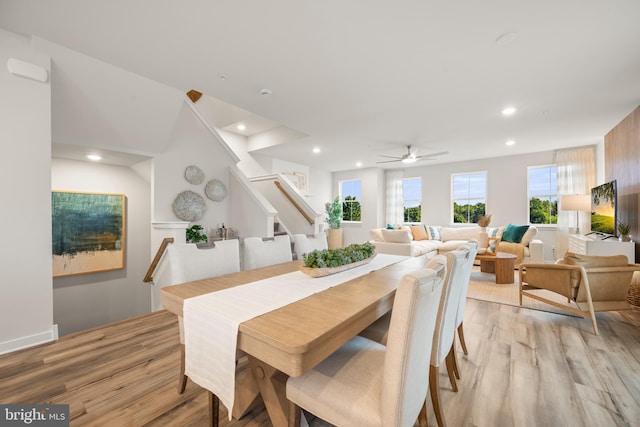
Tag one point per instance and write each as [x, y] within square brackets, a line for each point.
[575, 202]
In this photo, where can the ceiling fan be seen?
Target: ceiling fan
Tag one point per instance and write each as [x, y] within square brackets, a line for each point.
[411, 156]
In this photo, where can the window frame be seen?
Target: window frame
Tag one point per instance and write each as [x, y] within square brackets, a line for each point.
[549, 195]
[341, 189]
[469, 197]
[404, 200]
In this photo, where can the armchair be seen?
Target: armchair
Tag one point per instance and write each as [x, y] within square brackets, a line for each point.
[593, 283]
[526, 247]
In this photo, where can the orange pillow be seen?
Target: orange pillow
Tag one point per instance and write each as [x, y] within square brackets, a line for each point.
[419, 233]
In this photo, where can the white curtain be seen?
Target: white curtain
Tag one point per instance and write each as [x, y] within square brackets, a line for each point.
[576, 175]
[394, 199]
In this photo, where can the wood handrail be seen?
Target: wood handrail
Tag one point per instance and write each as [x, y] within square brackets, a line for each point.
[154, 264]
[293, 202]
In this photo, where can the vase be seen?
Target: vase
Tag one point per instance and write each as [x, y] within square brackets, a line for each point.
[334, 238]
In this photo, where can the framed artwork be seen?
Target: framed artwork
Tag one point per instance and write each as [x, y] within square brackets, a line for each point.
[87, 232]
[299, 180]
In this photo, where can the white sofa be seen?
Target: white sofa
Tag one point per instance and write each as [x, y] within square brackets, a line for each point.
[428, 240]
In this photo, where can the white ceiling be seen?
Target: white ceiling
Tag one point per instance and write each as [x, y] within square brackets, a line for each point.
[366, 78]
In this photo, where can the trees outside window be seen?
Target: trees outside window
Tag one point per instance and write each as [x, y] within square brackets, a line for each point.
[543, 194]
[469, 196]
[351, 195]
[412, 199]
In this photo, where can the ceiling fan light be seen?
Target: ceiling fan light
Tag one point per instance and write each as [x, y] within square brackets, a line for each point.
[409, 160]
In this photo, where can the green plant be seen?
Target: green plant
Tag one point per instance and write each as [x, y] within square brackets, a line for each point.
[195, 234]
[337, 257]
[624, 229]
[334, 213]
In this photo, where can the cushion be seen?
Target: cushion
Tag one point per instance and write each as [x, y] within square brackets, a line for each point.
[397, 236]
[493, 232]
[594, 261]
[529, 235]
[419, 233]
[376, 234]
[433, 232]
[459, 233]
[513, 233]
[390, 227]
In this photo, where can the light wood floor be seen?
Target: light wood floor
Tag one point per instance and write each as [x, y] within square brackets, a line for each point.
[525, 368]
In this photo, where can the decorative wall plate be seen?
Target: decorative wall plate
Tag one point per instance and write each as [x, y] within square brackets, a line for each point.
[215, 190]
[194, 175]
[189, 206]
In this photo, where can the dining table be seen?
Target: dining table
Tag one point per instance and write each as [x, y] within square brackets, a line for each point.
[292, 339]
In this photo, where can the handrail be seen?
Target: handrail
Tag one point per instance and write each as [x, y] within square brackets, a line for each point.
[156, 260]
[293, 202]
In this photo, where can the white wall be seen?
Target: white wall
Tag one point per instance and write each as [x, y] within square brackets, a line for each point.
[26, 312]
[191, 143]
[89, 300]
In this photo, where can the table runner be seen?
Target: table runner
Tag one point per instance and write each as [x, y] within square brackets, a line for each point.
[211, 321]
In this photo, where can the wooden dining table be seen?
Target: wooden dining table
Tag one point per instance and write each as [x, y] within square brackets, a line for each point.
[292, 339]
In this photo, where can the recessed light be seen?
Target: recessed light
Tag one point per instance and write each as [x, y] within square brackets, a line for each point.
[316, 150]
[359, 164]
[509, 111]
[510, 142]
[241, 127]
[94, 157]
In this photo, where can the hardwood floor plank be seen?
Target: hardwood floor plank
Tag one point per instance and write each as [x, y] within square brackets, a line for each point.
[524, 368]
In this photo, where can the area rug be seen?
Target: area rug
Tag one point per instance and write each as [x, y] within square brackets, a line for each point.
[482, 286]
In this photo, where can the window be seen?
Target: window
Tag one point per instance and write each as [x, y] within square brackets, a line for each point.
[543, 194]
[469, 194]
[351, 195]
[412, 199]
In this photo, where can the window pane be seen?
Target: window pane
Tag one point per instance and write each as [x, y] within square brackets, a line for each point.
[412, 199]
[469, 196]
[351, 194]
[543, 194]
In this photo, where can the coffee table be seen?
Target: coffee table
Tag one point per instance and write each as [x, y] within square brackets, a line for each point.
[501, 264]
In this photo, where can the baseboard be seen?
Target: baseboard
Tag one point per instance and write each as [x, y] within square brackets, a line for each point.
[29, 341]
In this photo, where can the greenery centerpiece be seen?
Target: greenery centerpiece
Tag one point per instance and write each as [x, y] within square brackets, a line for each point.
[323, 262]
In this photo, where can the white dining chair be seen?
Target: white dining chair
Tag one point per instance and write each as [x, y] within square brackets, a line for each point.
[187, 263]
[365, 383]
[466, 273]
[259, 252]
[304, 244]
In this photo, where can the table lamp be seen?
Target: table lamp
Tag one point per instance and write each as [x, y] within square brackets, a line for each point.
[576, 202]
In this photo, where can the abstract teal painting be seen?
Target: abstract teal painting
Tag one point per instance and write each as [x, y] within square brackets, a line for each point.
[87, 232]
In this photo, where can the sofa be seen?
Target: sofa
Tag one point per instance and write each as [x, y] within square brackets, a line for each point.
[422, 239]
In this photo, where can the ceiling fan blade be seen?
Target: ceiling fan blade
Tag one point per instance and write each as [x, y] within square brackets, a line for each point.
[390, 157]
[390, 161]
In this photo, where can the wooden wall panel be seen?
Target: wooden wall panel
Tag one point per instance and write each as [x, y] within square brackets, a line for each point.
[622, 163]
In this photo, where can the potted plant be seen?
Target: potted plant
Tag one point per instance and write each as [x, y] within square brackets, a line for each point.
[334, 219]
[624, 230]
[196, 234]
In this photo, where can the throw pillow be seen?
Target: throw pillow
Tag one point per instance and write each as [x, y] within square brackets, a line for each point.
[397, 236]
[513, 233]
[390, 227]
[434, 232]
[419, 233]
[376, 234]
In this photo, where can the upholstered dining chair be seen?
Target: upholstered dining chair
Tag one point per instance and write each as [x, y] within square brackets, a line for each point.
[304, 244]
[259, 252]
[187, 263]
[462, 301]
[365, 383]
[593, 283]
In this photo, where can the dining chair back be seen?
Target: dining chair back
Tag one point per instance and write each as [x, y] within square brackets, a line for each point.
[472, 246]
[366, 383]
[304, 244]
[259, 252]
[187, 263]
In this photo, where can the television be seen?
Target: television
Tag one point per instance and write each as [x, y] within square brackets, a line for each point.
[604, 205]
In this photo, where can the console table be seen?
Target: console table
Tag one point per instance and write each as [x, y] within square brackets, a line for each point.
[588, 245]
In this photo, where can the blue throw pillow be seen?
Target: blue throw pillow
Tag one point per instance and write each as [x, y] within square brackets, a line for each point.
[513, 233]
[390, 227]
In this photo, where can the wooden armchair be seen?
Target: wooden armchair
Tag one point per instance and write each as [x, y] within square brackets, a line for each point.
[594, 283]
